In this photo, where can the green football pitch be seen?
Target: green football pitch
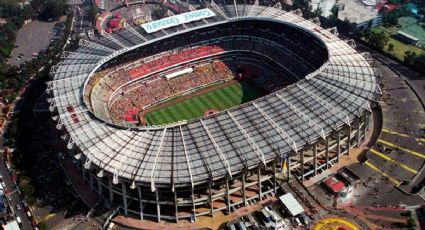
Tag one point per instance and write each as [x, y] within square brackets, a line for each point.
[195, 107]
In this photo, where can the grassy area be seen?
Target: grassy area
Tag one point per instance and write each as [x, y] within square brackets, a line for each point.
[399, 47]
[195, 107]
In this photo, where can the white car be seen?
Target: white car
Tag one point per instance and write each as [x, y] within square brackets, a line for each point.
[18, 219]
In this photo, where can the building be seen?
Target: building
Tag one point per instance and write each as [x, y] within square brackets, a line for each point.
[291, 204]
[196, 168]
[324, 5]
[407, 38]
[363, 15]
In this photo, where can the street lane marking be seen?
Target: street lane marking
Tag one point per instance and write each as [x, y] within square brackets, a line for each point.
[401, 148]
[403, 135]
[373, 167]
[393, 161]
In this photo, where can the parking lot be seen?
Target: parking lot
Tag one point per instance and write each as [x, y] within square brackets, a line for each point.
[33, 38]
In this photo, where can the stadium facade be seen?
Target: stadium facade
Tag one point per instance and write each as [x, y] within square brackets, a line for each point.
[203, 166]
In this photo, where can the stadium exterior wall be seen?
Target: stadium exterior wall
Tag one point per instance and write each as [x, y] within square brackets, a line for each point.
[119, 194]
[169, 201]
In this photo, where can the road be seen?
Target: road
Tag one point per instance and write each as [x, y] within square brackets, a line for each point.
[81, 19]
[14, 196]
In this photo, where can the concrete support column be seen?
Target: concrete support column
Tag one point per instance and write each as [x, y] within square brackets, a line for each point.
[176, 207]
[139, 193]
[274, 177]
[244, 190]
[83, 172]
[315, 159]
[349, 140]
[327, 153]
[338, 145]
[111, 193]
[358, 132]
[302, 165]
[259, 183]
[91, 182]
[99, 186]
[211, 200]
[124, 198]
[365, 125]
[288, 171]
[158, 206]
[228, 194]
[193, 204]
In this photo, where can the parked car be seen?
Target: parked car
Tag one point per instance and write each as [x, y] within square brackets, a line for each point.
[18, 219]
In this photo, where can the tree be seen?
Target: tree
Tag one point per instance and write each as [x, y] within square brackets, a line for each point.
[365, 33]
[42, 225]
[411, 223]
[419, 63]
[409, 57]
[345, 26]
[94, 11]
[378, 39]
[52, 9]
[335, 11]
[300, 4]
[391, 47]
[392, 17]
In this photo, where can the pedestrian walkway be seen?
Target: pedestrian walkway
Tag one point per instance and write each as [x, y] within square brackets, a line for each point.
[206, 222]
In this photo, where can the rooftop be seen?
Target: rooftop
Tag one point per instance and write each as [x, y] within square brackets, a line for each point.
[289, 201]
[357, 12]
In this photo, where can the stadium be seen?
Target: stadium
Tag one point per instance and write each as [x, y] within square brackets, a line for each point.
[200, 112]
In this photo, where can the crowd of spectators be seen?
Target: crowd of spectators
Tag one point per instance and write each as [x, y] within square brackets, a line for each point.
[158, 88]
[139, 83]
[173, 59]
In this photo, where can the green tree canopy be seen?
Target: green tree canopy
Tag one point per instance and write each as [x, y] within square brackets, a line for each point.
[52, 9]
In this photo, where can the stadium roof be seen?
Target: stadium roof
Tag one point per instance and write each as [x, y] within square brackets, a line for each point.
[211, 148]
